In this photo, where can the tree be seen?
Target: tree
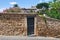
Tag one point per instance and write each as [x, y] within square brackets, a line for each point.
[41, 5]
[54, 0]
[54, 12]
[15, 5]
[55, 5]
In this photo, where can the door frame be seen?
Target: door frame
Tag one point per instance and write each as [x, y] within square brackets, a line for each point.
[30, 17]
[35, 26]
[35, 22]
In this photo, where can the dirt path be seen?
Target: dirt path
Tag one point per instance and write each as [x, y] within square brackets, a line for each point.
[26, 38]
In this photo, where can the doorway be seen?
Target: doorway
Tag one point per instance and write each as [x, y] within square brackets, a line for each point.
[30, 25]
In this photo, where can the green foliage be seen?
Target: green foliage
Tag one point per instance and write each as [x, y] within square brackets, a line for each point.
[54, 0]
[13, 10]
[55, 5]
[31, 10]
[15, 5]
[40, 5]
[53, 13]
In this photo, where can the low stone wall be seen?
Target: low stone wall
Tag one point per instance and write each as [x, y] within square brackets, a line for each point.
[53, 26]
[41, 27]
[16, 25]
[50, 28]
[12, 24]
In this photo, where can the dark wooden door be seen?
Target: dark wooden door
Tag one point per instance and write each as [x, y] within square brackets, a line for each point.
[30, 25]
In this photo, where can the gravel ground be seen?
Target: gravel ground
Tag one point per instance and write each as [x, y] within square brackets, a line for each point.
[26, 38]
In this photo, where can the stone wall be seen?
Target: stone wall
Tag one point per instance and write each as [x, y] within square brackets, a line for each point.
[16, 25]
[12, 24]
[41, 27]
[49, 28]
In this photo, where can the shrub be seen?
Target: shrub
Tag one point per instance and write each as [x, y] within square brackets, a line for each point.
[53, 13]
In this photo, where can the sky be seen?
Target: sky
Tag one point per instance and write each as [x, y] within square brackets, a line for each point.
[22, 3]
